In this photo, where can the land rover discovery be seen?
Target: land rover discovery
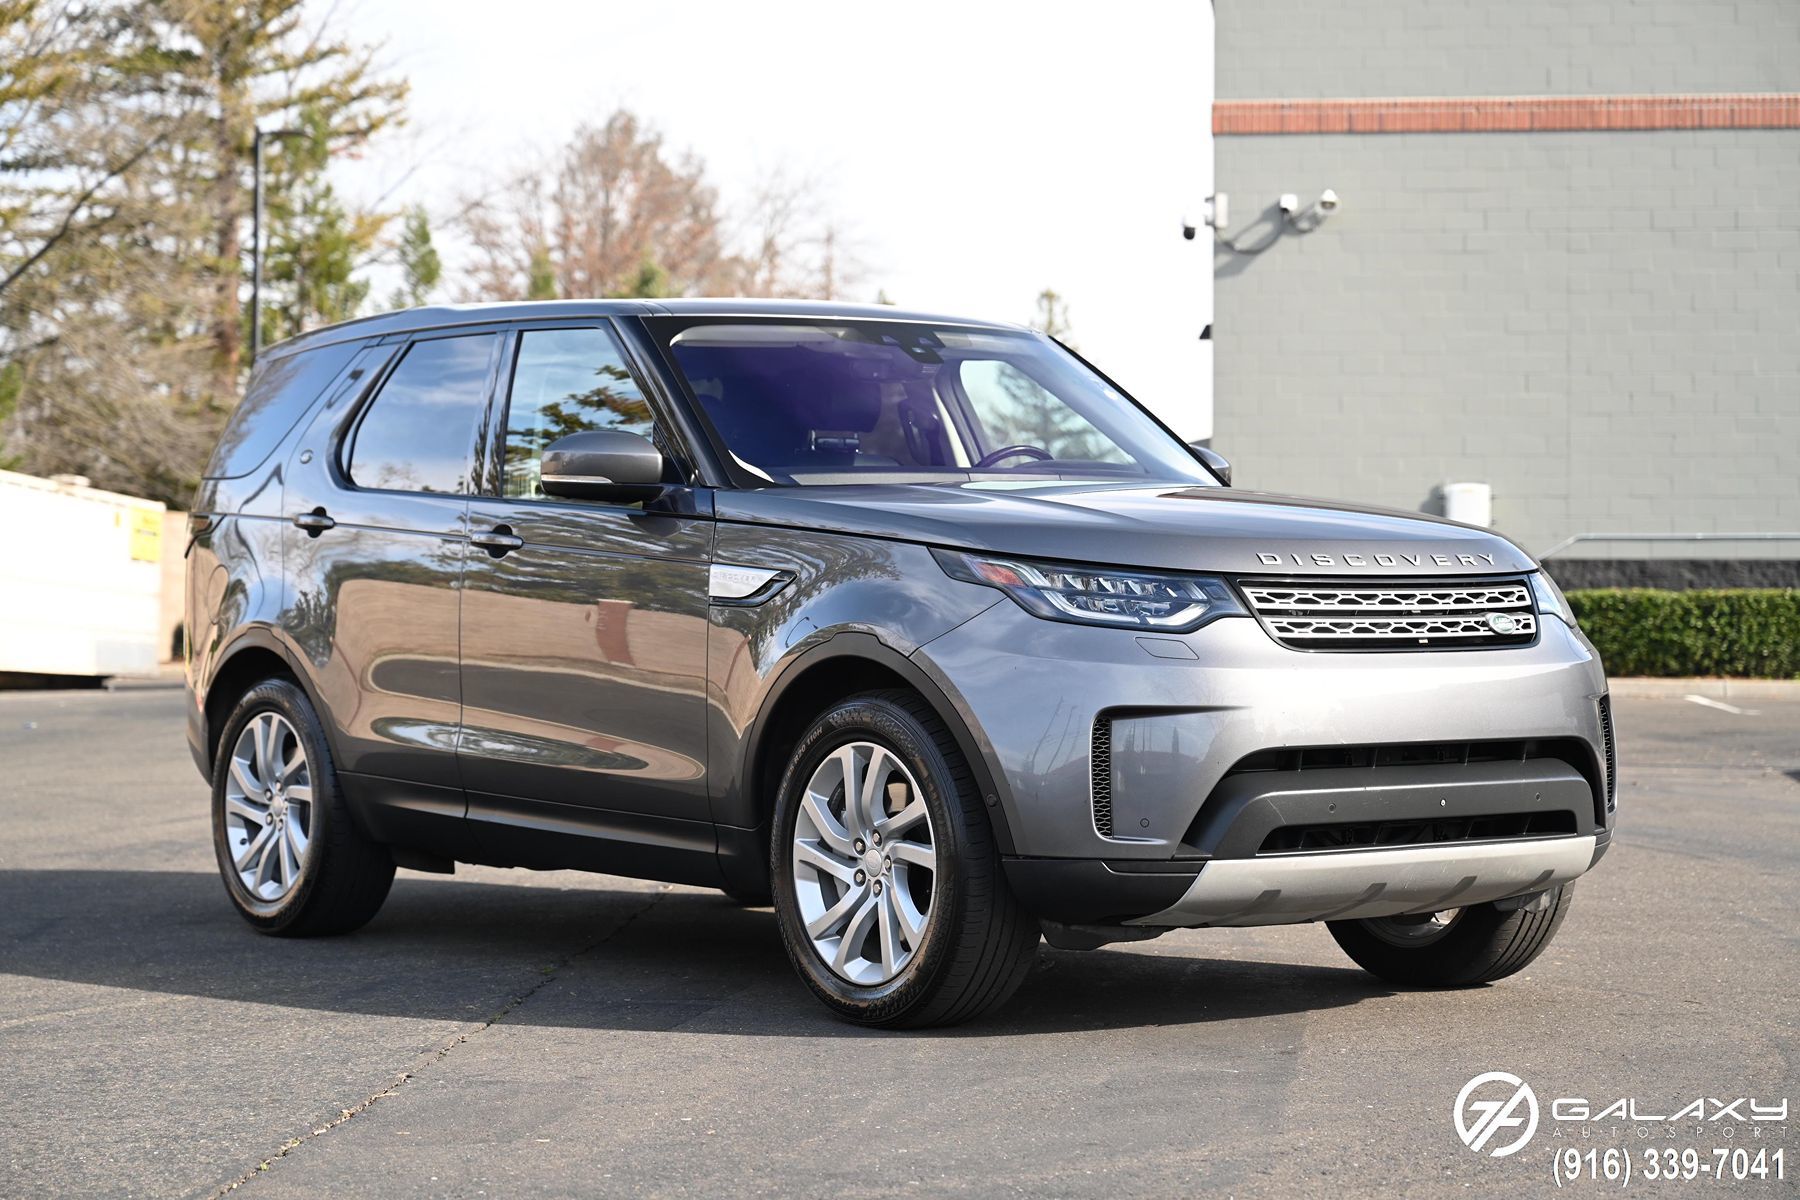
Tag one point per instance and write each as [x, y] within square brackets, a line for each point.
[919, 629]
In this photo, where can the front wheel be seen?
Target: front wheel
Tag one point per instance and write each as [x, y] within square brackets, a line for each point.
[888, 886]
[1454, 948]
[293, 861]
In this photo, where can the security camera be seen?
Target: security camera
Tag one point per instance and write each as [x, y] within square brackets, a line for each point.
[1289, 204]
[1216, 212]
[1328, 201]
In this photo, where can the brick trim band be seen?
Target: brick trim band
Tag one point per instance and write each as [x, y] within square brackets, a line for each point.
[1507, 114]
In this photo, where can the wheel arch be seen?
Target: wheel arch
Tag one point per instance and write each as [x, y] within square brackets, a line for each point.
[255, 655]
[845, 665]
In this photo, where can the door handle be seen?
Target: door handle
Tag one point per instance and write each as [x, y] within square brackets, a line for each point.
[498, 541]
[315, 522]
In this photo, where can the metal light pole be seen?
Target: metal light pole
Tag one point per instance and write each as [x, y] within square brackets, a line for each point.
[256, 221]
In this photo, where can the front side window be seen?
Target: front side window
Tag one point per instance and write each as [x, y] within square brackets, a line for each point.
[566, 381]
[419, 433]
[838, 402]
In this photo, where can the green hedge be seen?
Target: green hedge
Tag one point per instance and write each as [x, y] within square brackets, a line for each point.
[1725, 631]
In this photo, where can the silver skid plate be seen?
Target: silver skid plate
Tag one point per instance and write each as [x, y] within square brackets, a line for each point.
[1340, 885]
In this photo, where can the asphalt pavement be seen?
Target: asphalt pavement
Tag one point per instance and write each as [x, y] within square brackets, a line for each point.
[503, 1033]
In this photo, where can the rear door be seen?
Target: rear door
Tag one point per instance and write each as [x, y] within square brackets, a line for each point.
[377, 498]
[584, 623]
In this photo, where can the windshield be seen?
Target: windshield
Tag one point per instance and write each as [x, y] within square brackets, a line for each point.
[865, 401]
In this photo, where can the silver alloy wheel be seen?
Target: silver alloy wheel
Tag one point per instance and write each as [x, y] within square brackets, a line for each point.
[268, 807]
[1416, 929]
[865, 863]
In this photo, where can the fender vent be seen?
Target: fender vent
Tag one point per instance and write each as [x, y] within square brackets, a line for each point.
[1612, 762]
[1100, 766]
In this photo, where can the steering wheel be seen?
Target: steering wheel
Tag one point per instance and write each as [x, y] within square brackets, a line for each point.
[1005, 452]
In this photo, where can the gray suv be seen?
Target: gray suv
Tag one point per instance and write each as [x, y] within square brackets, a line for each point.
[918, 628]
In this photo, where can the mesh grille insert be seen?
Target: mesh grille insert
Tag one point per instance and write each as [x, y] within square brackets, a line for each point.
[1100, 760]
[1612, 762]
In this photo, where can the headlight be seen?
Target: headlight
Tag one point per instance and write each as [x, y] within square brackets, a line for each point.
[1550, 600]
[1123, 599]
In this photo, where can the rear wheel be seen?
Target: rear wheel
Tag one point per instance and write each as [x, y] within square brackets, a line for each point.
[888, 886]
[293, 862]
[1456, 947]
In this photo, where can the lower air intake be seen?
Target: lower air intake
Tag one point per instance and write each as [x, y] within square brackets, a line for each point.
[1100, 760]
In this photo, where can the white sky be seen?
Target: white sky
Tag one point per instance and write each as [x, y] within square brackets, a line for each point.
[975, 153]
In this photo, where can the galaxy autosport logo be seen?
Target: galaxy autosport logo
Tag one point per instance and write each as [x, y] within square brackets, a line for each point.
[1496, 1114]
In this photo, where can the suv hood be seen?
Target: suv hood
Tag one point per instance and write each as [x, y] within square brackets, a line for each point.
[1174, 526]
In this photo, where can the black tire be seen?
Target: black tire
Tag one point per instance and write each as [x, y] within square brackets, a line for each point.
[344, 877]
[1481, 945]
[978, 943]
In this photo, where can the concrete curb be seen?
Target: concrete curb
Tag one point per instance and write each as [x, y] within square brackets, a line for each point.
[169, 675]
[1712, 689]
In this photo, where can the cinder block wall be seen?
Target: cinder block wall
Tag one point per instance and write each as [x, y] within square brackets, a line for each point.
[1604, 326]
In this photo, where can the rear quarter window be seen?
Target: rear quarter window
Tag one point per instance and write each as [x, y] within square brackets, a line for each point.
[281, 391]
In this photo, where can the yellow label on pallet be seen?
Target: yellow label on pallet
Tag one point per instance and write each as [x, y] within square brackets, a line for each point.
[146, 535]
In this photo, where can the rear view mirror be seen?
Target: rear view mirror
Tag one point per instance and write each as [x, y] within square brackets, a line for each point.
[1215, 462]
[602, 464]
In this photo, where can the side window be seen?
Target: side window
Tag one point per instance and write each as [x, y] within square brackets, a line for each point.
[419, 433]
[566, 381]
[1013, 409]
[281, 390]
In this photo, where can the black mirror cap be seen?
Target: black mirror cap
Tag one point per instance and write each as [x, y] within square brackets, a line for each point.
[1215, 462]
[602, 464]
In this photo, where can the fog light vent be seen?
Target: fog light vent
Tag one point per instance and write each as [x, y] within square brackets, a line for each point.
[1612, 761]
[1100, 764]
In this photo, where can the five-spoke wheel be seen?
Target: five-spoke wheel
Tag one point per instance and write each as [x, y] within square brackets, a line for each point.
[888, 886]
[1457, 947]
[268, 806]
[293, 859]
[864, 862]
[1418, 929]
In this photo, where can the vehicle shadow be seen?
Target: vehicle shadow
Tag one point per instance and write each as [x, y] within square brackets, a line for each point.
[577, 957]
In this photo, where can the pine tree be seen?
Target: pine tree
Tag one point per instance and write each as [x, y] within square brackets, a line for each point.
[420, 266]
[540, 282]
[126, 131]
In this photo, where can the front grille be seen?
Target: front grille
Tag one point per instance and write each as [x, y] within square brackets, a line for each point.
[1359, 615]
[1577, 752]
[1612, 762]
[1293, 839]
[1416, 754]
[1100, 766]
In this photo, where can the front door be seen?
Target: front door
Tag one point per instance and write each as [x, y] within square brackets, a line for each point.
[583, 630]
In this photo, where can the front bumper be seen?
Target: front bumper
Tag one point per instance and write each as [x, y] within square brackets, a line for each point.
[1187, 839]
[1185, 709]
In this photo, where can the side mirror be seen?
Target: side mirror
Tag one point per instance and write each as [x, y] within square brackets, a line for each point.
[1215, 462]
[602, 464]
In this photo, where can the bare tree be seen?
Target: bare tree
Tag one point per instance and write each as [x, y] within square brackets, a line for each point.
[613, 201]
[789, 246]
[617, 213]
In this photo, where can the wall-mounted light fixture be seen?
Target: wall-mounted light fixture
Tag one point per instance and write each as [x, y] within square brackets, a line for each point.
[1305, 220]
[1216, 212]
